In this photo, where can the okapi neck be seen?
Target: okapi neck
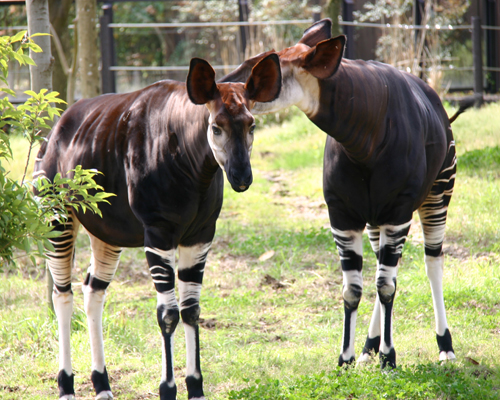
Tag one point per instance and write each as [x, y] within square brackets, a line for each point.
[353, 109]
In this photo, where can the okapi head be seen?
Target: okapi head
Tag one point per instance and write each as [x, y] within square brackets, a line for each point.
[315, 57]
[231, 125]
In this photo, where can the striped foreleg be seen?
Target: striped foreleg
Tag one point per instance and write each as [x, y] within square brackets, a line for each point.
[191, 268]
[433, 213]
[372, 343]
[161, 266]
[392, 239]
[60, 263]
[350, 248]
[103, 263]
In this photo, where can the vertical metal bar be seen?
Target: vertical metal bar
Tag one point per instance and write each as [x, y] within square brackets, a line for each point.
[108, 84]
[243, 10]
[347, 15]
[478, 61]
[493, 80]
[316, 9]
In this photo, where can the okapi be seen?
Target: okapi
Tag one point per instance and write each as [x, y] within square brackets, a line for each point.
[389, 151]
[161, 154]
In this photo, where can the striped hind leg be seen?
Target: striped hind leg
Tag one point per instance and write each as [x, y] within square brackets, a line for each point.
[350, 248]
[191, 268]
[433, 213]
[103, 264]
[60, 263]
[372, 343]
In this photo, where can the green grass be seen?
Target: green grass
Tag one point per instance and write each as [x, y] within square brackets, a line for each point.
[276, 322]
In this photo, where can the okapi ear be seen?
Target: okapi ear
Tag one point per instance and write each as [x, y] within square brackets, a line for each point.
[242, 73]
[264, 83]
[200, 82]
[321, 30]
[323, 60]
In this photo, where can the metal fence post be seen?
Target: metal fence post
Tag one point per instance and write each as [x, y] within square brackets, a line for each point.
[347, 15]
[243, 17]
[477, 55]
[108, 84]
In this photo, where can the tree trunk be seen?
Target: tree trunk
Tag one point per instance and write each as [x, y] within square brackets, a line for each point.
[86, 14]
[333, 9]
[41, 74]
[38, 22]
[59, 18]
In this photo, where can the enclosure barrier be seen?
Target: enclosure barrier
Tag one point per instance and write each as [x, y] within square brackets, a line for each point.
[109, 67]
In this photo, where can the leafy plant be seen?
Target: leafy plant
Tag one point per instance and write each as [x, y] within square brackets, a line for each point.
[26, 219]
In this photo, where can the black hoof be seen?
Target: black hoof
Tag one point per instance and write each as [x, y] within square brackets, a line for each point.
[346, 363]
[388, 360]
[372, 345]
[100, 381]
[167, 392]
[194, 387]
[66, 383]
[444, 342]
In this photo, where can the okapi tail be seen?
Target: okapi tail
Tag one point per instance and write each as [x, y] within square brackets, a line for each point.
[464, 104]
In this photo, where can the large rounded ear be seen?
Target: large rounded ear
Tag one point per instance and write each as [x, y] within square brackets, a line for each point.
[242, 73]
[200, 81]
[321, 30]
[264, 83]
[323, 60]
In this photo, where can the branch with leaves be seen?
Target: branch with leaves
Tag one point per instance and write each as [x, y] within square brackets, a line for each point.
[25, 218]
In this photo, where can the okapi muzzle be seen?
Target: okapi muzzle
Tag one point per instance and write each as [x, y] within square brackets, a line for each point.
[238, 168]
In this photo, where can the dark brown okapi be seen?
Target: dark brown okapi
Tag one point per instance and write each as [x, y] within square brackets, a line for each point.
[389, 151]
[161, 155]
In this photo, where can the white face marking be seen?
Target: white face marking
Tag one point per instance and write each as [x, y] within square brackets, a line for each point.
[218, 142]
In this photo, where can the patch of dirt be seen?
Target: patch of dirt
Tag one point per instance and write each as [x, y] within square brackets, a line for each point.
[454, 250]
[209, 323]
[11, 389]
[273, 282]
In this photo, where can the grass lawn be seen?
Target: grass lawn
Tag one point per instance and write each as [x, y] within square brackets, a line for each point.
[271, 302]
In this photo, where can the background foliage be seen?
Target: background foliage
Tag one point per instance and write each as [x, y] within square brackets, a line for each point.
[25, 219]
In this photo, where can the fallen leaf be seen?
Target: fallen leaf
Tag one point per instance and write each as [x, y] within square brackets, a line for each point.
[267, 255]
[472, 361]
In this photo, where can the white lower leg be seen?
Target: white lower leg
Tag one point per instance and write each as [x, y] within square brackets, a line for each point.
[94, 304]
[168, 300]
[434, 269]
[386, 277]
[374, 330]
[63, 307]
[352, 289]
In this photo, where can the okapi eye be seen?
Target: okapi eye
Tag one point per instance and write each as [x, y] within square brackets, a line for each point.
[252, 128]
[216, 130]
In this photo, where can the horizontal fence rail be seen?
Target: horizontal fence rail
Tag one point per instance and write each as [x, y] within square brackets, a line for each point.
[261, 23]
[354, 24]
